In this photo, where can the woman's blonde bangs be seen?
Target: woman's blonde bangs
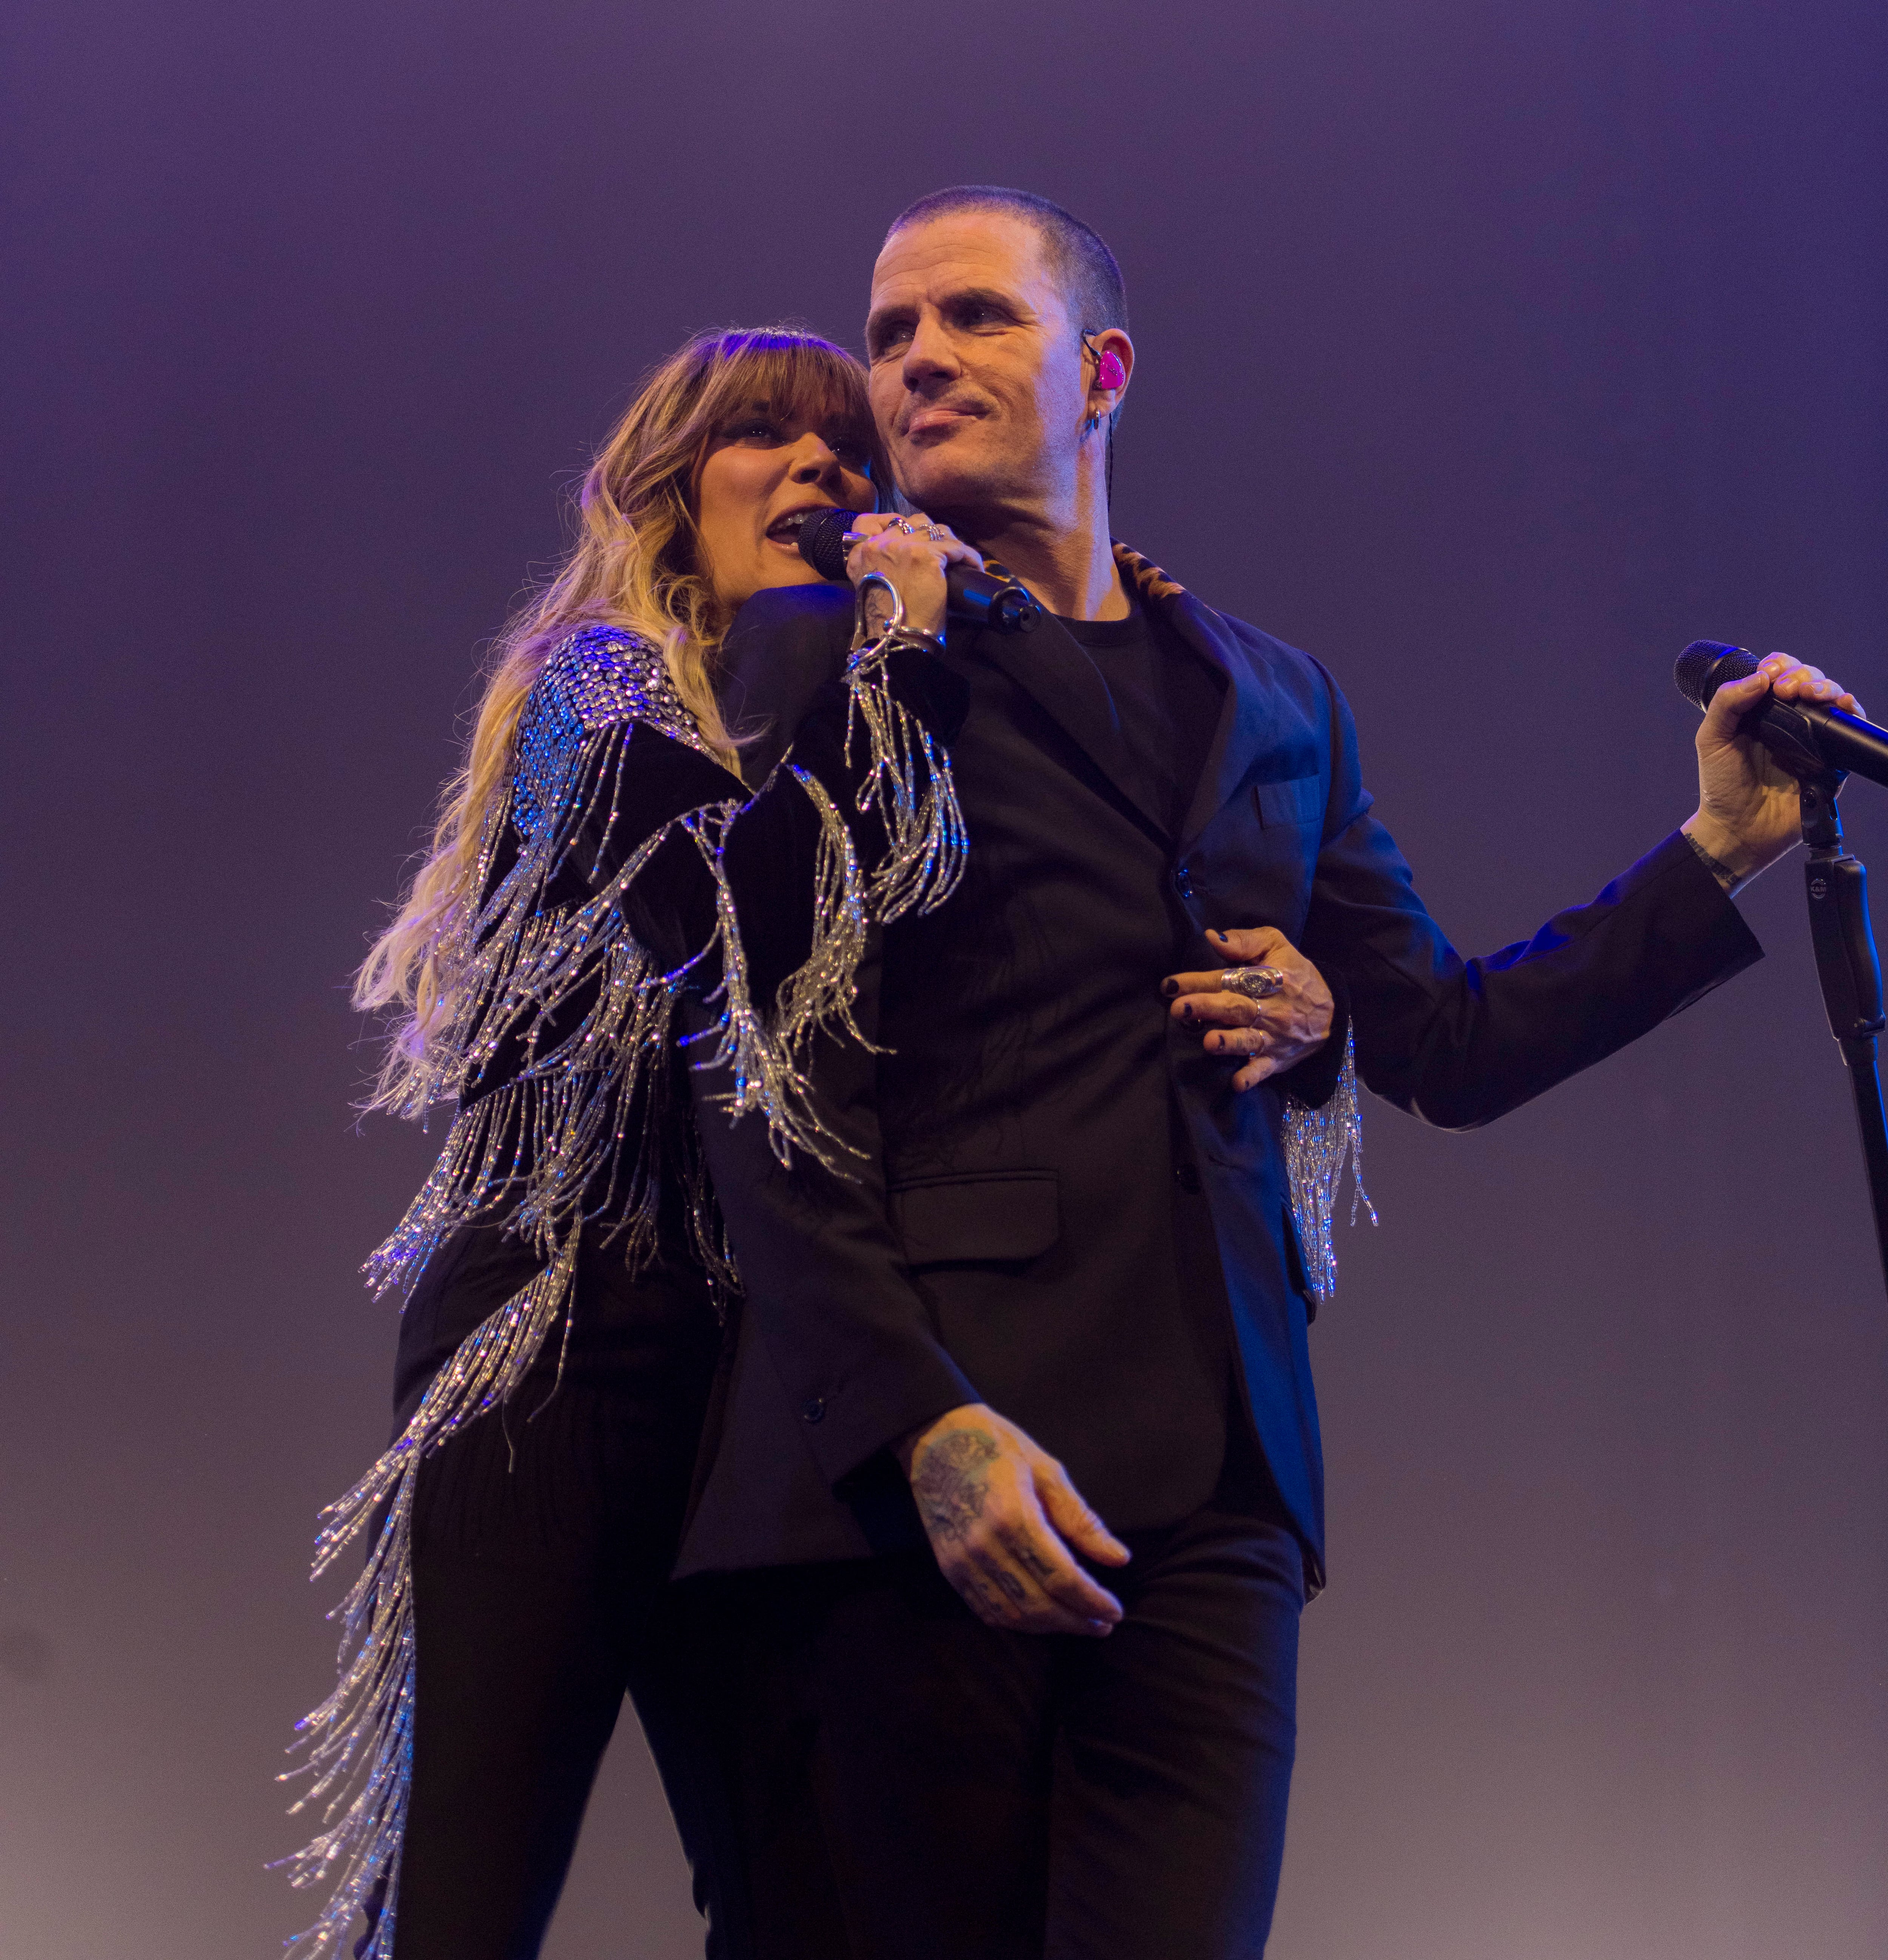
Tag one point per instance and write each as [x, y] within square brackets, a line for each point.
[802, 379]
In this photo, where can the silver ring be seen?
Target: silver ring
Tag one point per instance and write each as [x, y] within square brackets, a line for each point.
[935, 533]
[1255, 983]
[907, 528]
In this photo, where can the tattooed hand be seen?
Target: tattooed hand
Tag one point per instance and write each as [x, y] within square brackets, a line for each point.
[950, 1480]
[1002, 1515]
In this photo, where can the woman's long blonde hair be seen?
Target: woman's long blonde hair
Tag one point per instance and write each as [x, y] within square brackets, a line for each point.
[637, 563]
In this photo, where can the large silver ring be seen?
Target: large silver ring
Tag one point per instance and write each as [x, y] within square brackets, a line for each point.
[894, 624]
[909, 530]
[1255, 983]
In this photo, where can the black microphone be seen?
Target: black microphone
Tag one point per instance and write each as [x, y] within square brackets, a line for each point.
[974, 596]
[1807, 739]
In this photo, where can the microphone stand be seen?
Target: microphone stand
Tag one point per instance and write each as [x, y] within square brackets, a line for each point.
[1850, 971]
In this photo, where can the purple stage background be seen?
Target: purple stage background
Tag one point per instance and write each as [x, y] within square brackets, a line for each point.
[1491, 352]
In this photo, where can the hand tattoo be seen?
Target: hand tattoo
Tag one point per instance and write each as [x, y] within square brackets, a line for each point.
[952, 1481]
[1033, 1560]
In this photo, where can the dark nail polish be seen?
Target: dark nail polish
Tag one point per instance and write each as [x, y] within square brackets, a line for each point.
[1170, 987]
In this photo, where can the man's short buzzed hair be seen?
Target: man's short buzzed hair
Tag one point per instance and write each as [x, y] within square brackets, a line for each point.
[1084, 267]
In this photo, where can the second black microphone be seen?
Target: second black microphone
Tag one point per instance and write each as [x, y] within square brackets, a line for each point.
[1806, 738]
[977, 598]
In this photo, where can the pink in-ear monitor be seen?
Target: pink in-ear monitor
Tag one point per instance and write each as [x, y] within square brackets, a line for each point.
[1109, 371]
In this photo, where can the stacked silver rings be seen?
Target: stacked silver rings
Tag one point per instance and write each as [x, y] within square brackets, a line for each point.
[933, 534]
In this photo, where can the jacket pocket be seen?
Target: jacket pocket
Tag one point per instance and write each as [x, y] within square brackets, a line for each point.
[1299, 801]
[1004, 1216]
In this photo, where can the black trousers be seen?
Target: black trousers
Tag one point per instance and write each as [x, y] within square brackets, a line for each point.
[1015, 1797]
[543, 1537]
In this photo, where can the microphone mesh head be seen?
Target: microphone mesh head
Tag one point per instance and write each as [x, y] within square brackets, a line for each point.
[820, 541]
[1705, 665]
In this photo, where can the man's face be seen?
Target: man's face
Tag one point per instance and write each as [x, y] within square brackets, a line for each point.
[977, 381]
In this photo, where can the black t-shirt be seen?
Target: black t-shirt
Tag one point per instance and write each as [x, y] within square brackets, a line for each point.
[1167, 697]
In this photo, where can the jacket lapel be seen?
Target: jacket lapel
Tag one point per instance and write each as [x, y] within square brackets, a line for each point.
[1061, 678]
[1060, 675]
[1246, 711]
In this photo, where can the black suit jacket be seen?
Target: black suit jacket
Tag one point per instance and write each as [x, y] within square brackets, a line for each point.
[1062, 1207]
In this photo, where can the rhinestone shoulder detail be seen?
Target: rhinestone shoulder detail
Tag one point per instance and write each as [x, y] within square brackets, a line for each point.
[598, 678]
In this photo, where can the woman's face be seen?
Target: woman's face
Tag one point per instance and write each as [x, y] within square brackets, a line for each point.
[762, 473]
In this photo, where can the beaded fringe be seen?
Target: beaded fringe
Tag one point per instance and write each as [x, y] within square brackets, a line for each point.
[578, 1135]
[908, 783]
[1317, 1144]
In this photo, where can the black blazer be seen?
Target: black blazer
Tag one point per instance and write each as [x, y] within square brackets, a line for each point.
[1063, 1209]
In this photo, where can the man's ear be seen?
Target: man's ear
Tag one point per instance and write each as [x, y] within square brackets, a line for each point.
[1110, 368]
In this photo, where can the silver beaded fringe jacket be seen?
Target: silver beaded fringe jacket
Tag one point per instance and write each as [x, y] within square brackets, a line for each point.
[560, 1052]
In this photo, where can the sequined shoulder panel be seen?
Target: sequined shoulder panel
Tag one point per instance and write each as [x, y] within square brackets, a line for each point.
[599, 677]
[605, 674]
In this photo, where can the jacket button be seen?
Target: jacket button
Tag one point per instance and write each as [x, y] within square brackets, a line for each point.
[1183, 881]
[812, 1408]
[1186, 1176]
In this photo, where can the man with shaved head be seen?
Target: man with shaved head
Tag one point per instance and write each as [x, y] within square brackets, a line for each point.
[1050, 1497]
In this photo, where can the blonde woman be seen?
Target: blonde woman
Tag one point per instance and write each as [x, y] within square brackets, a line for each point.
[566, 1283]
